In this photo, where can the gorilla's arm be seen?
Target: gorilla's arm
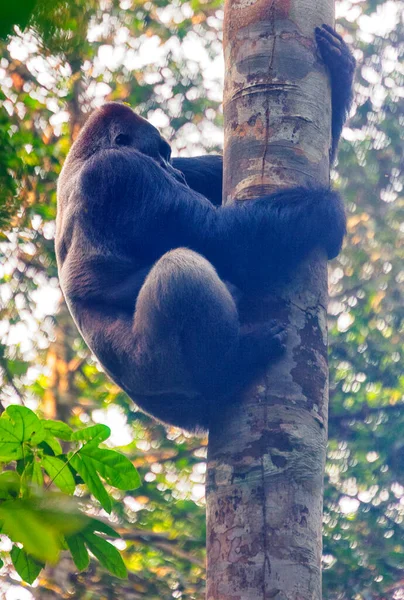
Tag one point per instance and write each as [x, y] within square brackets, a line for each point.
[142, 210]
[204, 174]
[124, 213]
[341, 64]
[252, 243]
[261, 241]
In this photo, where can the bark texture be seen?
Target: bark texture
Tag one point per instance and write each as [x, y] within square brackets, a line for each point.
[266, 456]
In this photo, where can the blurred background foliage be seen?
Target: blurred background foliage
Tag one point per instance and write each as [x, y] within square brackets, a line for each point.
[164, 58]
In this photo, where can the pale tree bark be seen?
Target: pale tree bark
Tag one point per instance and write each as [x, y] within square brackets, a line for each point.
[266, 456]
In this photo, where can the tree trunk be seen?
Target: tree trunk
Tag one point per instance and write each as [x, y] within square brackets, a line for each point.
[266, 456]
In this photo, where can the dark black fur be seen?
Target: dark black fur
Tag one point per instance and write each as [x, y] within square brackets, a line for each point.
[341, 65]
[143, 260]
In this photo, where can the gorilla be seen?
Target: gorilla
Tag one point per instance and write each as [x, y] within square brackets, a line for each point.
[151, 265]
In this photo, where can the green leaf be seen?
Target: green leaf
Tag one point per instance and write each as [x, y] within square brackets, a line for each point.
[32, 475]
[86, 470]
[27, 426]
[10, 442]
[23, 462]
[61, 513]
[9, 484]
[115, 468]
[96, 525]
[58, 429]
[59, 473]
[23, 524]
[78, 551]
[18, 424]
[107, 554]
[53, 443]
[26, 566]
[37, 475]
[94, 434]
[18, 367]
[1, 563]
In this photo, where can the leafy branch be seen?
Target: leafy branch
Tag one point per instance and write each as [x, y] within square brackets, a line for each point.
[41, 522]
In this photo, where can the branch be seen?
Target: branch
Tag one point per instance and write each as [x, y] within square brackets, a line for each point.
[364, 412]
[162, 541]
[167, 455]
[181, 554]
[136, 534]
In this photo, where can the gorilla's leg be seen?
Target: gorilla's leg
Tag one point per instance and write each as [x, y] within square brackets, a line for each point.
[189, 350]
[184, 309]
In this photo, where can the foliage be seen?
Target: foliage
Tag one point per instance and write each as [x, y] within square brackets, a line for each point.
[160, 57]
[39, 524]
[15, 13]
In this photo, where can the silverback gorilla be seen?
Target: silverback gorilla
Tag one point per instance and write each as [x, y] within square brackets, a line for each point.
[149, 261]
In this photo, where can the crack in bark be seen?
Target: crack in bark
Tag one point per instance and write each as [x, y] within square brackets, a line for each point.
[264, 156]
[308, 308]
[270, 67]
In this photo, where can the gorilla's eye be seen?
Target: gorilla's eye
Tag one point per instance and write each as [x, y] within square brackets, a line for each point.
[123, 140]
